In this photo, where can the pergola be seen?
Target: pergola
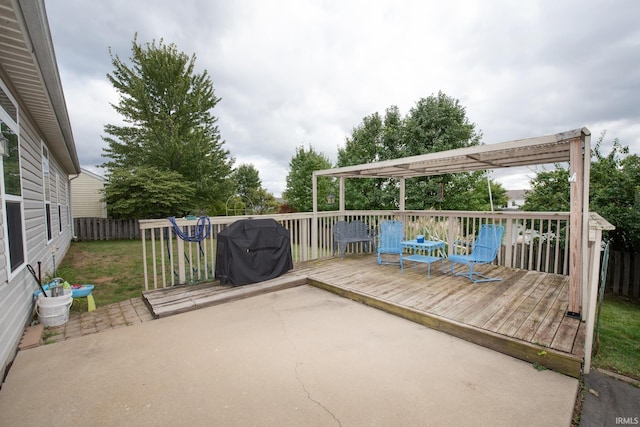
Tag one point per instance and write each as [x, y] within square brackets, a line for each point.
[572, 146]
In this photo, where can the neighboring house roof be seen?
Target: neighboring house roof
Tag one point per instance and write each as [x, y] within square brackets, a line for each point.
[93, 175]
[28, 59]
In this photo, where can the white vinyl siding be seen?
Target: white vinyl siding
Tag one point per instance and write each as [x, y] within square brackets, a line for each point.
[87, 196]
[17, 287]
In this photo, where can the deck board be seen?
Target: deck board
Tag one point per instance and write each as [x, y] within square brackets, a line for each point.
[530, 326]
[520, 315]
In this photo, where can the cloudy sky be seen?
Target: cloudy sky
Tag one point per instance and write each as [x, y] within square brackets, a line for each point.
[300, 72]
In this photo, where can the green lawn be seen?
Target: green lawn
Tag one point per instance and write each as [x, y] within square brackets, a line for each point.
[114, 267]
[618, 346]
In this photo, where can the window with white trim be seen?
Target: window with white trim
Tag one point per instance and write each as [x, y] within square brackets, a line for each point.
[12, 182]
[58, 197]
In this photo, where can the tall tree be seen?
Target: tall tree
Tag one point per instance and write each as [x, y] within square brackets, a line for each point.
[299, 191]
[166, 107]
[440, 123]
[246, 179]
[365, 146]
[249, 191]
[434, 124]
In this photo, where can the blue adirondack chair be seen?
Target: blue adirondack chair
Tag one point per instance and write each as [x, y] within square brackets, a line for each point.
[391, 234]
[484, 251]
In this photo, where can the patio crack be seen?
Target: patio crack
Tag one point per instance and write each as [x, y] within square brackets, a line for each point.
[297, 363]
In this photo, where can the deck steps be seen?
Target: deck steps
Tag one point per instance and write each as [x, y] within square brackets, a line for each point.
[180, 299]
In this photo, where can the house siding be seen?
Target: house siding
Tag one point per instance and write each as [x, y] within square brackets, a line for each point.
[36, 112]
[87, 196]
[16, 293]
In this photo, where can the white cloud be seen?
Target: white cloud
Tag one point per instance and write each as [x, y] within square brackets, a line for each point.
[307, 72]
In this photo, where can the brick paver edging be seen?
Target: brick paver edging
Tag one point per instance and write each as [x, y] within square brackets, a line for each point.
[124, 313]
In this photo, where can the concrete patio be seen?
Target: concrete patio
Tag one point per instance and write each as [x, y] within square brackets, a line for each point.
[300, 356]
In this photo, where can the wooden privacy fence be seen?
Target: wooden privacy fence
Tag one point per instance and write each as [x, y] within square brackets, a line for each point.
[623, 274]
[106, 229]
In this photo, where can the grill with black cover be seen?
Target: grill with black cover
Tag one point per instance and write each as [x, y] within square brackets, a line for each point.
[252, 251]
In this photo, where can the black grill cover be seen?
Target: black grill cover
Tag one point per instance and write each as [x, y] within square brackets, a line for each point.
[251, 251]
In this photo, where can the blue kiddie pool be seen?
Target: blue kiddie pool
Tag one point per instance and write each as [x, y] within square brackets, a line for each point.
[81, 291]
[84, 291]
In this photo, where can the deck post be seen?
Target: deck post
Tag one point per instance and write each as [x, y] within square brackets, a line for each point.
[576, 182]
[314, 218]
[402, 195]
[592, 297]
[586, 139]
[341, 202]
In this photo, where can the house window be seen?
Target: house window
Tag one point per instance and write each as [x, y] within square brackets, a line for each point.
[46, 187]
[11, 182]
[8, 106]
[58, 197]
[14, 226]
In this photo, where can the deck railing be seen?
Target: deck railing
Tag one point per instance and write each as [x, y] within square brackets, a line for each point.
[532, 241]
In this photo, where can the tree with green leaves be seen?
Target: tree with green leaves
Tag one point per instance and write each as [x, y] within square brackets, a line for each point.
[166, 108]
[365, 145]
[147, 192]
[299, 190]
[614, 192]
[440, 123]
[434, 124]
[249, 192]
[550, 191]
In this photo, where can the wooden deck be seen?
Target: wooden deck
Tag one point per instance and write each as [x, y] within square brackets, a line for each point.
[523, 315]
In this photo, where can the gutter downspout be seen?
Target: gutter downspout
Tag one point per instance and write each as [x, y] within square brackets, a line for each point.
[73, 224]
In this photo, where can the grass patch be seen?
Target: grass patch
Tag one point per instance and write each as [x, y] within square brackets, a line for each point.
[114, 267]
[619, 336]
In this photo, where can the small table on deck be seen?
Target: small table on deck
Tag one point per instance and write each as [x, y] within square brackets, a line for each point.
[424, 252]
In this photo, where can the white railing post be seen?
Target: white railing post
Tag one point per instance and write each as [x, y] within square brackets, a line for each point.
[144, 260]
[508, 242]
[182, 276]
[451, 237]
[592, 292]
[314, 221]
[304, 240]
